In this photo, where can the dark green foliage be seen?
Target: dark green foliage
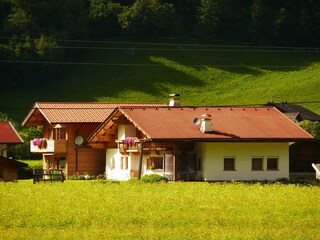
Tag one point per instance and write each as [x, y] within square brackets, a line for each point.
[25, 173]
[299, 181]
[103, 16]
[311, 127]
[4, 117]
[153, 178]
[22, 151]
[150, 18]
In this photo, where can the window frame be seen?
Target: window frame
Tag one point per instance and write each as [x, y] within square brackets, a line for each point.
[155, 162]
[225, 167]
[112, 163]
[277, 163]
[58, 134]
[252, 164]
[124, 162]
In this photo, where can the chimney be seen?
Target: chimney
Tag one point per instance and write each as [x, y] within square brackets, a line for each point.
[174, 100]
[206, 123]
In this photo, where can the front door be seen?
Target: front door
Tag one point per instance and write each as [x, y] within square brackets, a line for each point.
[187, 166]
[52, 162]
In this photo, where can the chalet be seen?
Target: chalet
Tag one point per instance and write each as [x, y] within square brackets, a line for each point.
[65, 126]
[8, 138]
[197, 143]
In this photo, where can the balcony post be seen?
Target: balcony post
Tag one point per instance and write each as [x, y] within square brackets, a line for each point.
[140, 162]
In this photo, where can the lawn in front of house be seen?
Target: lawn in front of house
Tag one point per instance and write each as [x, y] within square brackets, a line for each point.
[33, 163]
[180, 210]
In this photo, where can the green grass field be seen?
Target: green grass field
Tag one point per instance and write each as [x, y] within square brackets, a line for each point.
[33, 163]
[93, 210]
[202, 74]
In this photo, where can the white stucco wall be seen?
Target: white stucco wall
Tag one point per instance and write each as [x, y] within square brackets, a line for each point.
[116, 172]
[125, 131]
[213, 161]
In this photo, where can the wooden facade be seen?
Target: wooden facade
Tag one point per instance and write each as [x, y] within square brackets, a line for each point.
[302, 155]
[61, 151]
[9, 169]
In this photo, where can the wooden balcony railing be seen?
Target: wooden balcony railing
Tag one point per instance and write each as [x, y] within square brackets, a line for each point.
[129, 147]
[134, 146]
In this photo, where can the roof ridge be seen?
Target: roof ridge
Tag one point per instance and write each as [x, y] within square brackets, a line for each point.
[264, 107]
[64, 102]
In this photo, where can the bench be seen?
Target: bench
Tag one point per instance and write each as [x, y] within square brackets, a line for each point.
[48, 175]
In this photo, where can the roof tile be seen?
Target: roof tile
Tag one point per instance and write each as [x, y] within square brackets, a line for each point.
[79, 112]
[8, 134]
[228, 123]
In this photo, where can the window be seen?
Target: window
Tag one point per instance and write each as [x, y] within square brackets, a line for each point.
[124, 162]
[272, 163]
[59, 162]
[155, 163]
[62, 162]
[59, 134]
[229, 164]
[257, 164]
[113, 164]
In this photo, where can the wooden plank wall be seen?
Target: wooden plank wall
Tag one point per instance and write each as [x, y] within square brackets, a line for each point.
[92, 161]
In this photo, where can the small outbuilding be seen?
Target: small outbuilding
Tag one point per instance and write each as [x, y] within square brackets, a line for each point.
[9, 167]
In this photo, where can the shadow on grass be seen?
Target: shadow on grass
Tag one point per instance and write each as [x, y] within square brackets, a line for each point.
[285, 181]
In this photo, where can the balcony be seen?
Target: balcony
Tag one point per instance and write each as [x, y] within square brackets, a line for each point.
[42, 145]
[127, 146]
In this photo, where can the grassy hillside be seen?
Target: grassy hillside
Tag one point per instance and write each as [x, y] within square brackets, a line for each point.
[203, 75]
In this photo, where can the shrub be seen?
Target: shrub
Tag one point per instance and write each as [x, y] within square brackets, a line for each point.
[80, 177]
[25, 173]
[299, 181]
[153, 178]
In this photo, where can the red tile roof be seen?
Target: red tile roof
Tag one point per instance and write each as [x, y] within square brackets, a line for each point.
[77, 112]
[236, 123]
[8, 134]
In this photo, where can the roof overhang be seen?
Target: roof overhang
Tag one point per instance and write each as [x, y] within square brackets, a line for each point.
[32, 119]
[14, 162]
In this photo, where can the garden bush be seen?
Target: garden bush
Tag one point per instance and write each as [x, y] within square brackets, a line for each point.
[153, 178]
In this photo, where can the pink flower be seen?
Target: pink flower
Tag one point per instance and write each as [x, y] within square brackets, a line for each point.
[37, 142]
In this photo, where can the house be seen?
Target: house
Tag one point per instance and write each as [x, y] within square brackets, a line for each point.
[65, 126]
[295, 112]
[197, 143]
[8, 138]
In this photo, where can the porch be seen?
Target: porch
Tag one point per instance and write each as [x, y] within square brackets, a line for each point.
[177, 161]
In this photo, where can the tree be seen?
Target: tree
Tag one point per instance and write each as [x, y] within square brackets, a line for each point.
[208, 17]
[263, 16]
[148, 18]
[226, 19]
[22, 151]
[4, 117]
[104, 18]
[311, 127]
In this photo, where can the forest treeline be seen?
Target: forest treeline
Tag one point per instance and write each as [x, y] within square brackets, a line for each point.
[37, 30]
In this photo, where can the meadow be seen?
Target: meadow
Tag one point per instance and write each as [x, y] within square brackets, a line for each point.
[202, 74]
[180, 210]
